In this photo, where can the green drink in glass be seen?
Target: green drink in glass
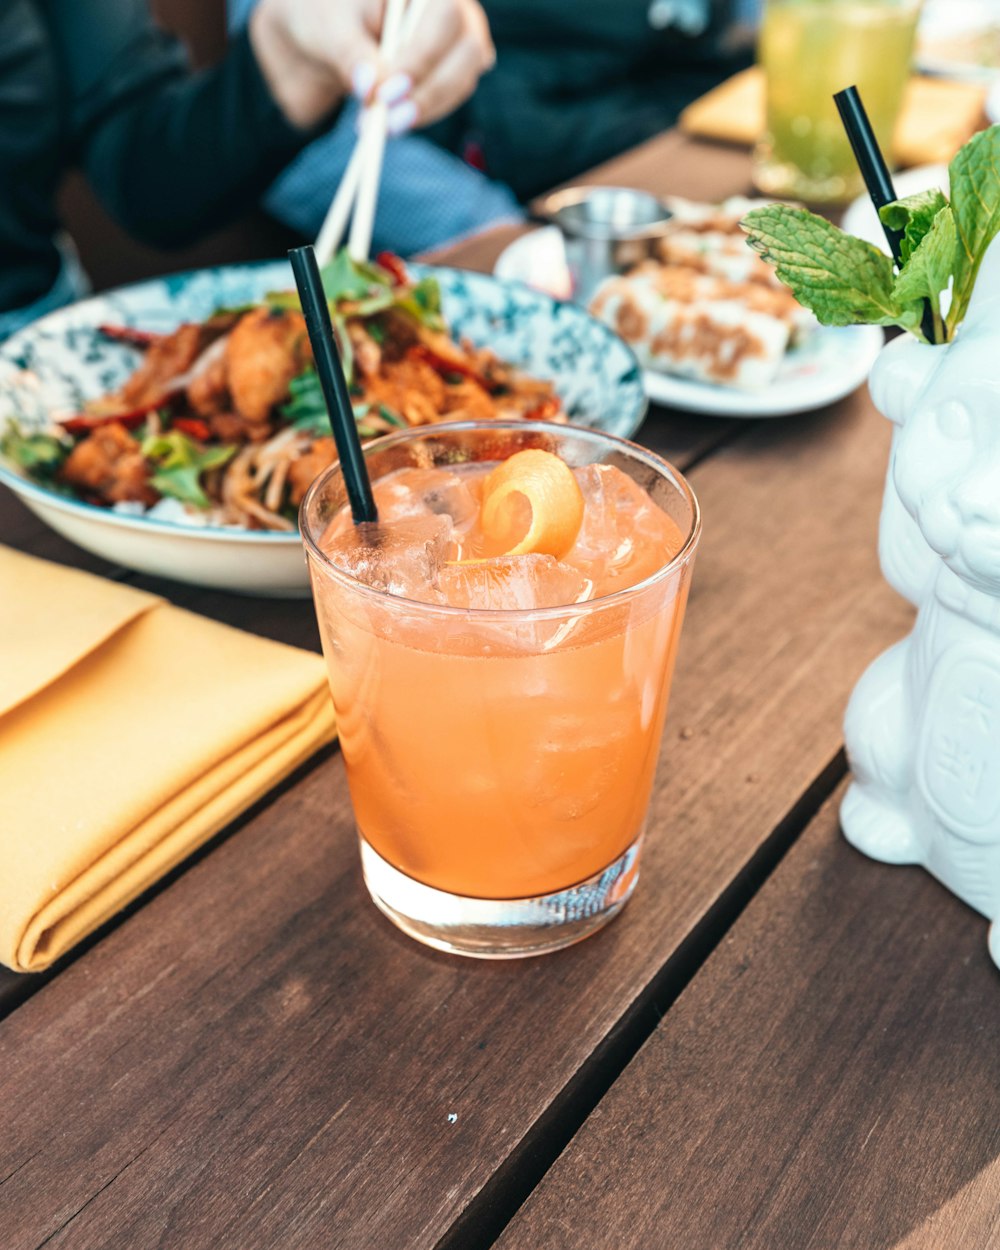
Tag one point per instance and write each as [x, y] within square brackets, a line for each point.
[810, 49]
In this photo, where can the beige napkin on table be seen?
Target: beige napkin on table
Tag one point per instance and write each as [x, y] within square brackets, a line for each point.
[130, 732]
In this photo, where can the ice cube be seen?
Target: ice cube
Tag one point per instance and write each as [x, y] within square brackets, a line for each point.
[425, 492]
[624, 537]
[398, 557]
[513, 583]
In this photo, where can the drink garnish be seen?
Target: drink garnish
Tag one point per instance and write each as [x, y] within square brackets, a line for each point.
[845, 280]
[532, 504]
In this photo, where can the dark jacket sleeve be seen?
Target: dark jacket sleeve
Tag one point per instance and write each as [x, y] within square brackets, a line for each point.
[171, 153]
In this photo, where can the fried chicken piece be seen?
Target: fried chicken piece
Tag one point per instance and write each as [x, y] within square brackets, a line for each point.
[230, 427]
[208, 391]
[267, 349]
[367, 353]
[307, 467]
[108, 465]
[399, 332]
[167, 359]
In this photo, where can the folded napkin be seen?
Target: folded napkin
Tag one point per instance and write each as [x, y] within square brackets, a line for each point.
[130, 732]
[937, 117]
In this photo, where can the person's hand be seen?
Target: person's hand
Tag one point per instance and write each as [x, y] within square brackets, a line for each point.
[313, 53]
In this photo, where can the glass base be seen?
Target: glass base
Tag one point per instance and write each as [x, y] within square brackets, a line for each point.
[491, 928]
[785, 180]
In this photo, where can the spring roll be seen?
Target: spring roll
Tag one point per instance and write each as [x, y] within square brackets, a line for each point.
[682, 321]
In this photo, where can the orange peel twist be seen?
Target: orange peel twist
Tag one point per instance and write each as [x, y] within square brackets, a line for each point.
[541, 485]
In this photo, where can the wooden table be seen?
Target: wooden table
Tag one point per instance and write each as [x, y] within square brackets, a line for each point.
[779, 1044]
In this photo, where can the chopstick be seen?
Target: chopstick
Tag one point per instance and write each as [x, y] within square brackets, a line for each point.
[358, 189]
[372, 143]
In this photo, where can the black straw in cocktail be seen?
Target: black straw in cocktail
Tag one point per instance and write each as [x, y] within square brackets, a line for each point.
[333, 383]
[877, 178]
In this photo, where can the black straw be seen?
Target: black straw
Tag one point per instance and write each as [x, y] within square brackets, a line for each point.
[333, 384]
[877, 178]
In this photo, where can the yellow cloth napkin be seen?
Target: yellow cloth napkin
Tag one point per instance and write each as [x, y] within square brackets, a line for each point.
[938, 115]
[130, 732]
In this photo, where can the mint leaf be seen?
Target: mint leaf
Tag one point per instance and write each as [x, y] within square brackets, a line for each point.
[928, 270]
[974, 175]
[179, 463]
[913, 217]
[843, 280]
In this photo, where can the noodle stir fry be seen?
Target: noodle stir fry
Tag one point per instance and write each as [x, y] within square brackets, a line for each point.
[226, 415]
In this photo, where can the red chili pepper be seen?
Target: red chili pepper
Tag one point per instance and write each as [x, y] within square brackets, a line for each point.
[129, 335]
[193, 427]
[445, 365]
[394, 267]
[544, 411]
[84, 422]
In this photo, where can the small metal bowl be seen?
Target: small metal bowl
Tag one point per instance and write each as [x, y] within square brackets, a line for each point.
[606, 230]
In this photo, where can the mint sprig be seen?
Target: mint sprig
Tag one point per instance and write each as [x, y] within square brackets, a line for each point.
[845, 280]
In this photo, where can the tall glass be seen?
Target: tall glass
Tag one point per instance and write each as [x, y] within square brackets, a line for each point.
[500, 763]
[810, 49]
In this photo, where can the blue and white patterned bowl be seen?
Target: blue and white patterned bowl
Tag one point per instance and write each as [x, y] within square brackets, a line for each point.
[55, 365]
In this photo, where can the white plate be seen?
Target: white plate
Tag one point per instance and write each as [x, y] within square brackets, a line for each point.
[831, 364]
[59, 362]
[966, 27]
[860, 217]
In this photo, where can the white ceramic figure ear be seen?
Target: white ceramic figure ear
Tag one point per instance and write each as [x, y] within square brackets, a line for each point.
[901, 372]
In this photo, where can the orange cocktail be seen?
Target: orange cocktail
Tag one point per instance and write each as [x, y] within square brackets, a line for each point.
[500, 648]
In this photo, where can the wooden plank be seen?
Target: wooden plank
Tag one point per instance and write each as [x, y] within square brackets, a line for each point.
[829, 1080]
[673, 164]
[682, 439]
[20, 528]
[257, 1057]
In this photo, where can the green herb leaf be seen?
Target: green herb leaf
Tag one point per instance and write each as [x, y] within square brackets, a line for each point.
[374, 304]
[347, 279]
[913, 217]
[283, 301]
[393, 418]
[423, 303]
[306, 409]
[974, 175]
[39, 455]
[843, 280]
[179, 464]
[233, 310]
[927, 272]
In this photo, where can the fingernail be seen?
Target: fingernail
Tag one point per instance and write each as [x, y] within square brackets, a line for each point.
[363, 79]
[402, 117]
[395, 88]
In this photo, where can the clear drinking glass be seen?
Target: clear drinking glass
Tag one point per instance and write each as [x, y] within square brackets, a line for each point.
[500, 763]
[810, 49]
